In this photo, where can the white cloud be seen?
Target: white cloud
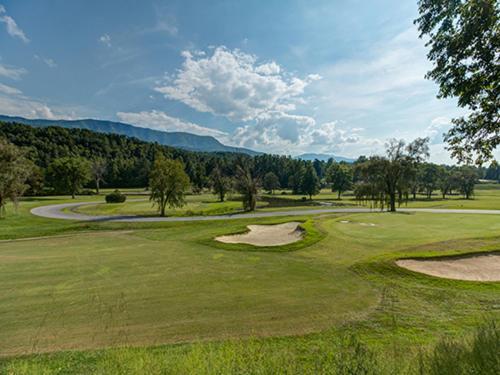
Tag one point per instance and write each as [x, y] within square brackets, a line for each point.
[232, 84]
[161, 121]
[12, 73]
[12, 28]
[9, 90]
[47, 61]
[16, 105]
[105, 39]
[437, 128]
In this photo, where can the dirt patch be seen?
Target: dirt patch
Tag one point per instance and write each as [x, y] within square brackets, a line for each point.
[267, 235]
[483, 267]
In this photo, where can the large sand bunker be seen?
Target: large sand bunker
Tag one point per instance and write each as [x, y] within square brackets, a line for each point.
[483, 267]
[267, 235]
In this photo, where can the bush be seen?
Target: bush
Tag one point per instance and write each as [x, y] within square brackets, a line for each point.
[116, 197]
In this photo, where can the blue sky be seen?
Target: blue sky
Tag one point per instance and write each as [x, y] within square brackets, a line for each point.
[277, 76]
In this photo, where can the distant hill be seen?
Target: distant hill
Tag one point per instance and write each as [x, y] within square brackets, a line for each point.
[325, 157]
[182, 140]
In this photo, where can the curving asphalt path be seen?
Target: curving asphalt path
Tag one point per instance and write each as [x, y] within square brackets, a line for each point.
[55, 212]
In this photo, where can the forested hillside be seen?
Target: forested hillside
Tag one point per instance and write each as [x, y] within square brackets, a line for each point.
[182, 140]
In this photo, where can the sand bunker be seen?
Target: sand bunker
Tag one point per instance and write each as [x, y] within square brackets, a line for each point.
[484, 267]
[267, 235]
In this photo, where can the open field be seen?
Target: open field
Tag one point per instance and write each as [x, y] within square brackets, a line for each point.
[98, 285]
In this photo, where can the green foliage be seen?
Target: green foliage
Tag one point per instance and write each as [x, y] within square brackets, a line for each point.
[15, 170]
[221, 184]
[247, 185]
[467, 179]
[429, 177]
[116, 197]
[270, 182]
[340, 176]
[168, 183]
[310, 181]
[464, 44]
[477, 356]
[69, 174]
[385, 180]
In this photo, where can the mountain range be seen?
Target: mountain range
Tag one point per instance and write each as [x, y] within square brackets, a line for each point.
[324, 157]
[187, 141]
[182, 140]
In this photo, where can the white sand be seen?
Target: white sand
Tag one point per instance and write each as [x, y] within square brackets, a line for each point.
[267, 235]
[484, 267]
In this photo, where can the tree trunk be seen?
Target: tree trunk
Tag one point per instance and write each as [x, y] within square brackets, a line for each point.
[72, 194]
[392, 201]
[339, 195]
[97, 186]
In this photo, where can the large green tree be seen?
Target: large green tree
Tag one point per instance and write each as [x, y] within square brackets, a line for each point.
[69, 174]
[340, 175]
[464, 41]
[168, 183]
[310, 181]
[270, 182]
[15, 170]
[384, 176]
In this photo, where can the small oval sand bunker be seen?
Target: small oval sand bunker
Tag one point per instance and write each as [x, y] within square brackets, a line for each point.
[482, 267]
[267, 235]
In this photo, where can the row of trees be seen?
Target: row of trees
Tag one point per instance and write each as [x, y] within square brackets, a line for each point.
[169, 173]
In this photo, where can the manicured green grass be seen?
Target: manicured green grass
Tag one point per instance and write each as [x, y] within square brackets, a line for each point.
[148, 286]
[199, 205]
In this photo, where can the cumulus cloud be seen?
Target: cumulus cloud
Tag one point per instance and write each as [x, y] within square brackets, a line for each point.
[234, 84]
[11, 26]
[159, 120]
[105, 39]
[437, 128]
[14, 104]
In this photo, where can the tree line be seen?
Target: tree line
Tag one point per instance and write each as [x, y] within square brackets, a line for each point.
[54, 160]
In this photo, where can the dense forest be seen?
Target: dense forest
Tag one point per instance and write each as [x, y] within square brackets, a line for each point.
[119, 161]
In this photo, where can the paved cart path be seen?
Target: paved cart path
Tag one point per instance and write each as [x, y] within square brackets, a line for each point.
[55, 211]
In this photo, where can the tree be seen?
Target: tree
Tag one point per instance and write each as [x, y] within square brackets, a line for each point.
[430, 174]
[247, 185]
[270, 182]
[383, 177]
[98, 169]
[69, 174]
[340, 175]
[467, 180]
[15, 170]
[168, 183]
[445, 182]
[296, 177]
[310, 181]
[221, 184]
[464, 40]
[493, 171]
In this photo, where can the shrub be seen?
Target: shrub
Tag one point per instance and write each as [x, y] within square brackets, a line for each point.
[115, 197]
